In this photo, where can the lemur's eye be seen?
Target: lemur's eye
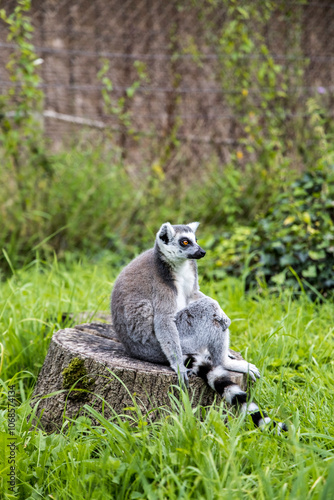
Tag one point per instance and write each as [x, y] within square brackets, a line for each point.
[184, 242]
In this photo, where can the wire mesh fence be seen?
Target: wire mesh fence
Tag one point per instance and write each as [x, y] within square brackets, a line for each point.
[175, 84]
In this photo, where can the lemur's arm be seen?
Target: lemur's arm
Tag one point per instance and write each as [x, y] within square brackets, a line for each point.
[168, 336]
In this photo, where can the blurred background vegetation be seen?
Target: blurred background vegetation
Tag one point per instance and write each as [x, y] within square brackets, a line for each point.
[266, 208]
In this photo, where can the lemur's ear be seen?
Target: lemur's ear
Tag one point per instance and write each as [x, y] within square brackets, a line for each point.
[193, 226]
[166, 233]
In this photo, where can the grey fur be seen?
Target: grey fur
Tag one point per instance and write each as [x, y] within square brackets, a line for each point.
[159, 313]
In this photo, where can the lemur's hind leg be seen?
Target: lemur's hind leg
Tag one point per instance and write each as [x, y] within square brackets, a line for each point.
[204, 325]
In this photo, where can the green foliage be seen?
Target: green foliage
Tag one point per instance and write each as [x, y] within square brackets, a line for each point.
[119, 107]
[297, 236]
[229, 253]
[261, 112]
[25, 165]
[67, 213]
[256, 88]
[292, 246]
[189, 453]
[94, 204]
[32, 304]
[22, 150]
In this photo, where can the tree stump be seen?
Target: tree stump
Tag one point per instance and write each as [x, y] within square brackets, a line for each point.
[86, 364]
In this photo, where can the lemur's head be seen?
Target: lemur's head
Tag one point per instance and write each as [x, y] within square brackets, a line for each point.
[178, 243]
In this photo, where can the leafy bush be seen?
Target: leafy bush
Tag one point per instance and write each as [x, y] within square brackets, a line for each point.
[294, 243]
[228, 253]
[292, 246]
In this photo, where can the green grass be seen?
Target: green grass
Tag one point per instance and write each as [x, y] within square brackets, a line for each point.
[188, 453]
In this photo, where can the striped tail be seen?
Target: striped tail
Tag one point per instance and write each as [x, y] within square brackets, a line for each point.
[220, 381]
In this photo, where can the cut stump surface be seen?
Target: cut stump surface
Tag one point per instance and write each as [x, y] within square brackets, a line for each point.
[88, 365]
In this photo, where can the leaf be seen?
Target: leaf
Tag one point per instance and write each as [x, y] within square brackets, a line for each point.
[279, 247]
[136, 494]
[289, 220]
[299, 192]
[302, 256]
[279, 278]
[310, 272]
[287, 260]
[243, 12]
[311, 230]
[317, 255]
[306, 218]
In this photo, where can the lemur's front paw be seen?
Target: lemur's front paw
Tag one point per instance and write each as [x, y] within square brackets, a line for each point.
[253, 371]
[242, 366]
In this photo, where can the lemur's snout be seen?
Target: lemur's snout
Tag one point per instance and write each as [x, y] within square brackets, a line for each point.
[199, 253]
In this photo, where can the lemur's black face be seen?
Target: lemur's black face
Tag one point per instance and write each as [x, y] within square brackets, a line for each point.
[192, 249]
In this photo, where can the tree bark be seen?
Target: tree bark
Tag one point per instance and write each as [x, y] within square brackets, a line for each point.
[86, 364]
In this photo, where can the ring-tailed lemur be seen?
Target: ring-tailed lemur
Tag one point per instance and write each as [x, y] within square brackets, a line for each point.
[160, 315]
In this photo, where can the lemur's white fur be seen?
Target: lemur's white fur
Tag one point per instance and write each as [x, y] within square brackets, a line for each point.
[184, 280]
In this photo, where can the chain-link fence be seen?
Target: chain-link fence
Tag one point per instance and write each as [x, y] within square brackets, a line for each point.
[177, 100]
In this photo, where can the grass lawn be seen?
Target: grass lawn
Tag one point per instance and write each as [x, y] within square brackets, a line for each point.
[187, 454]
